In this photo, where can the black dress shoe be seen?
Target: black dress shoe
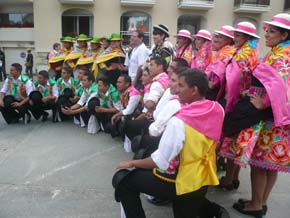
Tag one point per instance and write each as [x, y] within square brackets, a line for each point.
[236, 183]
[228, 187]
[241, 208]
[220, 212]
[244, 201]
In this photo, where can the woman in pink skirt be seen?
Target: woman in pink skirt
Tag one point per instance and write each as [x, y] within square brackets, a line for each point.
[266, 145]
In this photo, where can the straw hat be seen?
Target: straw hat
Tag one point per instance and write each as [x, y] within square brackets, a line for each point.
[163, 28]
[247, 28]
[83, 37]
[280, 20]
[203, 34]
[95, 40]
[184, 33]
[67, 39]
[116, 37]
[226, 30]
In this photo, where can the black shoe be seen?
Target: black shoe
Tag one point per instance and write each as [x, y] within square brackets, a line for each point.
[159, 201]
[244, 201]
[221, 212]
[236, 183]
[44, 117]
[241, 208]
[228, 187]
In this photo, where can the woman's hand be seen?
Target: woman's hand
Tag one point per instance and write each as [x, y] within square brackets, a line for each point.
[257, 101]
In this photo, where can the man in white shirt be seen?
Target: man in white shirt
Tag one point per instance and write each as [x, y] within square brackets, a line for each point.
[14, 96]
[136, 57]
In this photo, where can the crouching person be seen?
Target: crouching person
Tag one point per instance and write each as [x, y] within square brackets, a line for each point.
[14, 96]
[67, 87]
[105, 104]
[184, 165]
[44, 97]
[81, 107]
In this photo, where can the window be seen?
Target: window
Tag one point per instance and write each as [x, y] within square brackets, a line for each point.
[77, 21]
[16, 20]
[287, 5]
[135, 21]
[189, 22]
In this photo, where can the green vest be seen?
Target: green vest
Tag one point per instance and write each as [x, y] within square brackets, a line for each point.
[47, 90]
[13, 86]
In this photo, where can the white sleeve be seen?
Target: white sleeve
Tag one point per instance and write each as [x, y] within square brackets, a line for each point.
[55, 91]
[29, 87]
[82, 100]
[5, 86]
[158, 126]
[155, 93]
[170, 144]
[132, 105]
[127, 60]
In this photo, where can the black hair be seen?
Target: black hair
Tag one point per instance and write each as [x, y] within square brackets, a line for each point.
[160, 61]
[90, 76]
[195, 77]
[179, 70]
[105, 80]
[180, 62]
[283, 30]
[55, 45]
[43, 73]
[140, 34]
[68, 69]
[17, 67]
[126, 77]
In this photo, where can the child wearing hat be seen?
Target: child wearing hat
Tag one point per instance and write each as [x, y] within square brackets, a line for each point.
[184, 45]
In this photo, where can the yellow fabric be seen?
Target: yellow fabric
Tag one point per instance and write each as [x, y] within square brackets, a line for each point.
[83, 61]
[70, 57]
[197, 162]
[55, 60]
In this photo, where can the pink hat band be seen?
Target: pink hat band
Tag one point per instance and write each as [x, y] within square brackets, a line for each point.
[201, 34]
[226, 31]
[281, 20]
[246, 29]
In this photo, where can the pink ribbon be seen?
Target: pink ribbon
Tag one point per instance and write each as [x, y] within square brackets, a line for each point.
[246, 29]
[281, 20]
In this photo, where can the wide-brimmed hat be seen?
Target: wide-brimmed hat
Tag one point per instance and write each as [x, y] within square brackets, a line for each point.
[246, 28]
[8, 100]
[226, 30]
[35, 97]
[163, 28]
[117, 179]
[83, 37]
[85, 61]
[93, 103]
[95, 40]
[280, 20]
[116, 37]
[203, 34]
[106, 37]
[67, 39]
[184, 33]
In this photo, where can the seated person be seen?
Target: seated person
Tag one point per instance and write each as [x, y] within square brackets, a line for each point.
[14, 96]
[80, 108]
[44, 97]
[129, 97]
[170, 172]
[160, 81]
[67, 87]
[108, 104]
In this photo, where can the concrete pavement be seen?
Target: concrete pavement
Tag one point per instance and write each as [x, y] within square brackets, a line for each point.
[53, 170]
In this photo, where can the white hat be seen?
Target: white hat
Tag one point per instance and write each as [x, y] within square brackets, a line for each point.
[280, 20]
[203, 34]
[226, 30]
[247, 28]
[184, 33]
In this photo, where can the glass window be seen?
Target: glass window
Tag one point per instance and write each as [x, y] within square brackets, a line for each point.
[77, 21]
[189, 22]
[131, 21]
[16, 20]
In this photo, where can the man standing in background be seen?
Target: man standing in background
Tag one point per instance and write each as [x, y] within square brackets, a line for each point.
[2, 66]
[29, 64]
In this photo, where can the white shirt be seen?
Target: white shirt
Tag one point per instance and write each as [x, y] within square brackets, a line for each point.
[86, 96]
[137, 58]
[162, 102]
[155, 92]
[132, 104]
[161, 120]
[170, 143]
[29, 87]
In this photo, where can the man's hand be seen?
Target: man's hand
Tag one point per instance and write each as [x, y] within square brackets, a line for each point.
[16, 104]
[125, 164]
[45, 99]
[66, 111]
[257, 101]
[1, 103]
[116, 117]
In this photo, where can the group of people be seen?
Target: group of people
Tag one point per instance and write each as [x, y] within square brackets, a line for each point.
[176, 109]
